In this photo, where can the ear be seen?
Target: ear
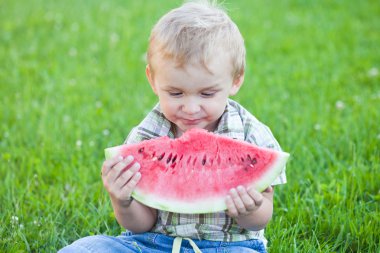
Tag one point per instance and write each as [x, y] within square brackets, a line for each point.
[237, 83]
[149, 76]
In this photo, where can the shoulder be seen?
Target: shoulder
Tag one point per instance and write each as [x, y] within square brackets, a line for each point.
[254, 130]
[152, 126]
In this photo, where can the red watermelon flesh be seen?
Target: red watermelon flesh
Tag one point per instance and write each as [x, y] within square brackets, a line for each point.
[194, 173]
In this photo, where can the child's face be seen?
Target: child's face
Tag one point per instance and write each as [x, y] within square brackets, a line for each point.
[191, 96]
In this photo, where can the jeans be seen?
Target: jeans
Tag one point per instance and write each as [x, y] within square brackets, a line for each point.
[157, 243]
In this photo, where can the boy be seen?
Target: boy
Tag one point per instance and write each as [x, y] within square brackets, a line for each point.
[196, 60]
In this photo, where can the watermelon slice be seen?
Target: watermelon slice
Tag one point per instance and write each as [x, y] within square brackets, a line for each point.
[194, 173]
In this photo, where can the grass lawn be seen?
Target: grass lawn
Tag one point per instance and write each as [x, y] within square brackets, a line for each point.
[72, 83]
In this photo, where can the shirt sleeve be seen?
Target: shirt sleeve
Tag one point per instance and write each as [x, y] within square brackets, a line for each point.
[134, 137]
[261, 135]
[154, 125]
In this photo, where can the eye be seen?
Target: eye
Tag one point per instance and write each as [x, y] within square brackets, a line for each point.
[208, 94]
[175, 94]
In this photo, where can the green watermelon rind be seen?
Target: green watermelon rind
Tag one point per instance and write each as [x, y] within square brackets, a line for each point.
[111, 152]
[209, 205]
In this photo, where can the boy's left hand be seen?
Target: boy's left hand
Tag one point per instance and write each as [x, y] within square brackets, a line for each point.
[241, 201]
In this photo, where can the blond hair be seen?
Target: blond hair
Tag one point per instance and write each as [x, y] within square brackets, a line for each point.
[193, 33]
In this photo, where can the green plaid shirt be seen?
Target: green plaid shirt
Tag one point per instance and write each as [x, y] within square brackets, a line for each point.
[236, 122]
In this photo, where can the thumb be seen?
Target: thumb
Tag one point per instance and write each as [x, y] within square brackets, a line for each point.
[268, 189]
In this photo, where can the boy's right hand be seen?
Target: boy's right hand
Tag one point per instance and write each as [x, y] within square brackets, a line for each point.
[120, 177]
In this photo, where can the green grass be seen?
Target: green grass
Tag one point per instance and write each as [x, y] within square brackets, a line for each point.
[72, 83]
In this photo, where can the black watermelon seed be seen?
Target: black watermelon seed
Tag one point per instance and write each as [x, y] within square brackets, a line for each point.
[161, 156]
[174, 158]
[204, 160]
[169, 158]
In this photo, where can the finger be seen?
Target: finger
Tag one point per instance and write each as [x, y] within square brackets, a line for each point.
[130, 186]
[109, 163]
[126, 175]
[231, 209]
[238, 201]
[248, 202]
[269, 189]
[114, 187]
[124, 194]
[256, 196]
[117, 169]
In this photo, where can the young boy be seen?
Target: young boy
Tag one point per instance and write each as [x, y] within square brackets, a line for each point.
[196, 60]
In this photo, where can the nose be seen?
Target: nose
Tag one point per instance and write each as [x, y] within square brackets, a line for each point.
[191, 106]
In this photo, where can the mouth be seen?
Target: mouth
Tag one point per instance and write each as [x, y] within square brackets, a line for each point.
[191, 121]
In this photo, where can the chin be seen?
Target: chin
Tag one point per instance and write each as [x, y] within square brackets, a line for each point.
[186, 128]
[196, 127]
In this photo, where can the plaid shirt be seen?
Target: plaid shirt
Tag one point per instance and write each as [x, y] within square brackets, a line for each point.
[236, 122]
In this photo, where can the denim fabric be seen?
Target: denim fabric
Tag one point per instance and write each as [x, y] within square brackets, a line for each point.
[156, 243]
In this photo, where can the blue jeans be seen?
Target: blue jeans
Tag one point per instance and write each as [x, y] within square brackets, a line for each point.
[157, 243]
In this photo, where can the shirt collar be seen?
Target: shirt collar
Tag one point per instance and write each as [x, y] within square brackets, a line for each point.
[230, 123]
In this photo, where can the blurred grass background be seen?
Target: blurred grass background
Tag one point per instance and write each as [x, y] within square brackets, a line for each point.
[72, 82]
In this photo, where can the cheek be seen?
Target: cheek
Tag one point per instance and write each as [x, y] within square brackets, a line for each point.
[167, 107]
[216, 109]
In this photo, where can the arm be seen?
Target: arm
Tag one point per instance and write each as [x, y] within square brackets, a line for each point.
[120, 176]
[136, 217]
[251, 209]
